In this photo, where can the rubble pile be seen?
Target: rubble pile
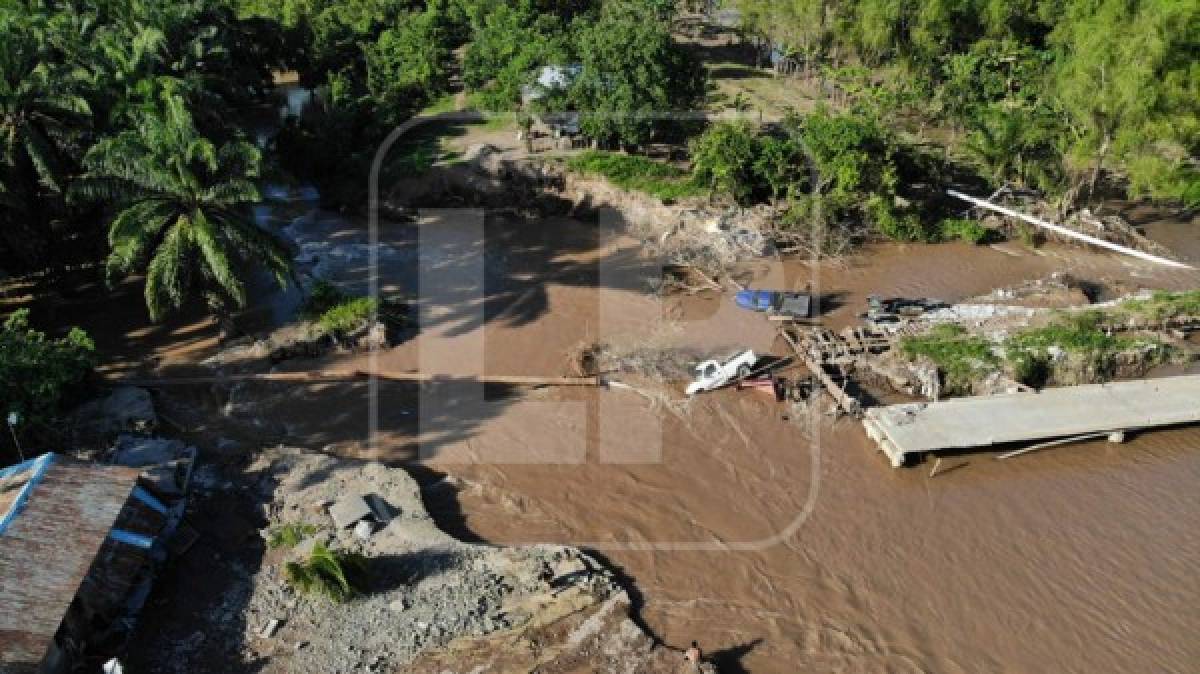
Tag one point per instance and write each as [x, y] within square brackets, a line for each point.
[432, 603]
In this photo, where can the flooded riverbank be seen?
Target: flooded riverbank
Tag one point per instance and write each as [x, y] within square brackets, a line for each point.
[794, 546]
[1075, 559]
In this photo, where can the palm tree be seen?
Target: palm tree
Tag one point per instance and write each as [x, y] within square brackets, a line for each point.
[42, 122]
[1016, 144]
[38, 108]
[186, 218]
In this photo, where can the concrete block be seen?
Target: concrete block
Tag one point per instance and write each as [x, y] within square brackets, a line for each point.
[349, 510]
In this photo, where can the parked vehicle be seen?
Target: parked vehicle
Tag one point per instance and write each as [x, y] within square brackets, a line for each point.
[776, 302]
[895, 309]
[713, 374]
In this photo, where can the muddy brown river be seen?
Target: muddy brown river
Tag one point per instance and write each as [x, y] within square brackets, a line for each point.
[781, 545]
[794, 546]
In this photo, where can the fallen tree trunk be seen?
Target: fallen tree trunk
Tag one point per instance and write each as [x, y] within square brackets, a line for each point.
[317, 376]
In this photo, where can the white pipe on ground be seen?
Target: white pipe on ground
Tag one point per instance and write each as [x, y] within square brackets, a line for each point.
[1069, 232]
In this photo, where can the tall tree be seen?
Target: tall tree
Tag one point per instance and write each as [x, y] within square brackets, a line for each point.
[632, 71]
[1128, 74]
[42, 117]
[185, 218]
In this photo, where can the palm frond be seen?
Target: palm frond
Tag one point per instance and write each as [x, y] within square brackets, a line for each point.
[131, 235]
[168, 277]
[216, 257]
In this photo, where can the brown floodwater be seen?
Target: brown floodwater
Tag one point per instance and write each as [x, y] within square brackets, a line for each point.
[780, 544]
[786, 545]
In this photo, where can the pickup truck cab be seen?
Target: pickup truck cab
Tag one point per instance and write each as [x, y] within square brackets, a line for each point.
[713, 374]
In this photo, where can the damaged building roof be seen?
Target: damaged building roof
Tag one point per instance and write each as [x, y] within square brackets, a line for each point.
[55, 513]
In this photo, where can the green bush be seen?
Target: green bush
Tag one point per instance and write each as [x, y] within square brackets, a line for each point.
[896, 225]
[956, 229]
[348, 316]
[39, 376]
[633, 172]
[960, 357]
[335, 312]
[339, 314]
[337, 575]
[723, 159]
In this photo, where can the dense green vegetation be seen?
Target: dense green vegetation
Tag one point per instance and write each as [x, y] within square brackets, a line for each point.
[1053, 94]
[39, 375]
[1057, 96]
[124, 144]
[119, 116]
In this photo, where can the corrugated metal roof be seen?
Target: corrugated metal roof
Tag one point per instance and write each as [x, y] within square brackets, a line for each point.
[48, 548]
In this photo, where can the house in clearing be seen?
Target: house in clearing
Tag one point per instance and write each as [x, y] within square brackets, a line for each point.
[552, 81]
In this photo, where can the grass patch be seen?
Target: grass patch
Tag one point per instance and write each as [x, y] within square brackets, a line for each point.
[337, 313]
[640, 174]
[1081, 340]
[957, 229]
[348, 316]
[336, 575]
[290, 535]
[962, 358]
[1164, 306]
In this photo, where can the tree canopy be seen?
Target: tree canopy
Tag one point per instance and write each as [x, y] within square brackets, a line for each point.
[185, 217]
[632, 71]
[1114, 83]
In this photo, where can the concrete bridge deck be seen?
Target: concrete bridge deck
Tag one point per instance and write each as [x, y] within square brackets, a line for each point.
[913, 429]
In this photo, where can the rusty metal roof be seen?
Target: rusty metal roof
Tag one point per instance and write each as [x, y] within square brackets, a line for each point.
[52, 534]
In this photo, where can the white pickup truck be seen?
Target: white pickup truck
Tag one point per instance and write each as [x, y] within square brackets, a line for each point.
[712, 374]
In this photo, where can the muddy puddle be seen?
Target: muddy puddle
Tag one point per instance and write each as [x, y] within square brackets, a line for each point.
[781, 545]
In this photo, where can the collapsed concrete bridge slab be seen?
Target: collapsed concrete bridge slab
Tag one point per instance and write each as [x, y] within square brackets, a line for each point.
[914, 429]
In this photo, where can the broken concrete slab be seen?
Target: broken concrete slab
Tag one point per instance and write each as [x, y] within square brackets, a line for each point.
[347, 511]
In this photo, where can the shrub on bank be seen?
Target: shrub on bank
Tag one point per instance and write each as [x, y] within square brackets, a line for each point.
[958, 229]
[339, 314]
[40, 376]
[1164, 306]
[1077, 349]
